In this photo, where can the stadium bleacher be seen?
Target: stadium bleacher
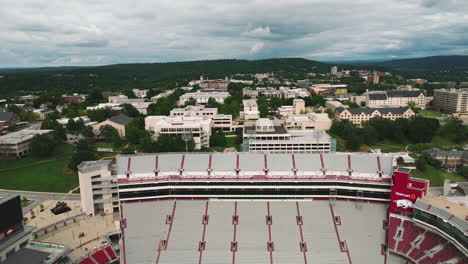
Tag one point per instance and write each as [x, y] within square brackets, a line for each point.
[422, 246]
[265, 231]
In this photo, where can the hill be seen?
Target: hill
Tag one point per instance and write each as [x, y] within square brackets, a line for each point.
[145, 75]
[433, 63]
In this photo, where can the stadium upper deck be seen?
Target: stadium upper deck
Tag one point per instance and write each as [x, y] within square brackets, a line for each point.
[249, 166]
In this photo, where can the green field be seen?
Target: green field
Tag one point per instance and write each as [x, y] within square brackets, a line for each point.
[429, 113]
[387, 147]
[436, 176]
[48, 174]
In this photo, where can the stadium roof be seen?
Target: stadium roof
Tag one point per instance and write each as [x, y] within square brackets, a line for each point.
[365, 165]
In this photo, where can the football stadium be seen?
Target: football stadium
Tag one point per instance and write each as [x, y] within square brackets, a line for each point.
[283, 208]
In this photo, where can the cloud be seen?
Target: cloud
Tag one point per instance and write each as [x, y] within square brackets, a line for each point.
[257, 47]
[51, 33]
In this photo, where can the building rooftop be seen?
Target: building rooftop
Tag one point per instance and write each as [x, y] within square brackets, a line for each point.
[22, 136]
[121, 119]
[368, 111]
[87, 166]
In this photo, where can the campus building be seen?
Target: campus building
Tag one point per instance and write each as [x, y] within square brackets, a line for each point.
[202, 96]
[199, 127]
[220, 121]
[17, 144]
[118, 122]
[309, 121]
[298, 107]
[269, 136]
[360, 115]
[452, 101]
[250, 110]
[377, 99]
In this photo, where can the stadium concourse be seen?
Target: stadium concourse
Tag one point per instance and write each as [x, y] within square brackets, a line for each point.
[281, 208]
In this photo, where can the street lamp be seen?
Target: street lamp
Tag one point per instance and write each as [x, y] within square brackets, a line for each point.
[186, 136]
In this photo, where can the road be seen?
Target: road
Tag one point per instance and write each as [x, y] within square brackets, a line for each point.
[39, 197]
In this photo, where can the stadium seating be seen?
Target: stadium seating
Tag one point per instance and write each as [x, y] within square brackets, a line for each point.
[110, 252]
[394, 224]
[100, 257]
[87, 261]
[431, 249]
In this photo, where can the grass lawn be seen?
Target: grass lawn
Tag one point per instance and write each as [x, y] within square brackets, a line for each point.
[104, 145]
[49, 176]
[429, 113]
[387, 147]
[230, 142]
[436, 176]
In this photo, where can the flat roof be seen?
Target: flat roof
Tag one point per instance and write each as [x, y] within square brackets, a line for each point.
[27, 256]
[364, 165]
[21, 136]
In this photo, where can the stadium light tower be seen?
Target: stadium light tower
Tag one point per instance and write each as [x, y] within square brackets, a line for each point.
[186, 136]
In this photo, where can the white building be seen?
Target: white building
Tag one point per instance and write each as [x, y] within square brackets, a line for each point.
[307, 122]
[17, 144]
[396, 98]
[87, 121]
[198, 126]
[298, 107]
[451, 100]
[202, 96]
[250, 109]
[294, 92]
[139, 104]
[360, 115]
[155, 98]
[220, 121]
[98, 188]
[269, 136]
[140, 93]
[334, 70]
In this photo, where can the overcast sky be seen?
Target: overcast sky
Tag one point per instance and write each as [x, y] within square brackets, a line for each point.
[96, 32]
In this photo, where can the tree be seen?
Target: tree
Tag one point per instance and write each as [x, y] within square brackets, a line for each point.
[454, 131]
[190, 101]
[94, 97]
[420, 164]
[88, 132]
[129, 110]
[172, 143]
[400, 161]
[42, 145]
[79, 157]
[71, 126]
[217, 139]
[147, 144]
[107, 131]
[83, 145]
[116, 139]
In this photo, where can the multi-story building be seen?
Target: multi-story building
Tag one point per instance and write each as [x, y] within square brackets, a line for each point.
[309, 121]
[17, 144]
[418, 81]
[334, 70]
[98, 187]
[451, 160]
[155, 98]
[211, 84]
[267, 135]
[198, 126]
[373, 78]
[194, 110]
[287, 92]
[140, 93]
[74, 98]
[360, 115]
[220, 121]
[326, 88]
[297, 108]
[396, 99]
[250, 109]
[202, 96]
[453, 101]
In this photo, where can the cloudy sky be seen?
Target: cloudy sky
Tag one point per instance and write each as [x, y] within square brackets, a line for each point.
[96, 32]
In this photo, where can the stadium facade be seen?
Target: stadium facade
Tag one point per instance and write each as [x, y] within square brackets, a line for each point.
[280, 208]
